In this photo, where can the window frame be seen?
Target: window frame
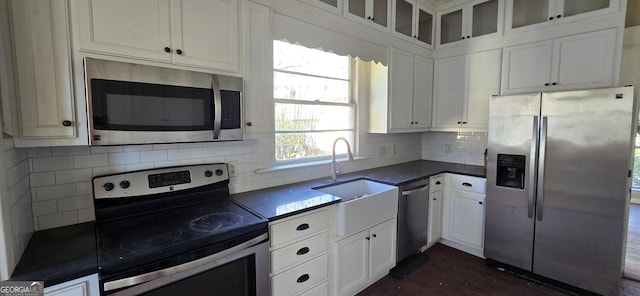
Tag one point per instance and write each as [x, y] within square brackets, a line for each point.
[352, 104]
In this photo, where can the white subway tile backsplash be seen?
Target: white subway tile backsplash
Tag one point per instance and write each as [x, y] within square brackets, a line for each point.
[71, 150]
[73, 176]
[137, 148]
[52, 163]
[45, 207]
[75, 203]
[108, 170]
[57, 220]
[84, 188]
[106, 149]
[466, 147]
[86, 215]
[190, 145]
[179, 154]
[138, 166]
[39, 152]
[203, 152]
[153, 156]
[55, 192]
[42, 179]
[124, 158]
[90, 161]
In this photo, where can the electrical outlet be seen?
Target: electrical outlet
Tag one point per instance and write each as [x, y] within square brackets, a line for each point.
[232, 168]
[447, 148]
[382, 151]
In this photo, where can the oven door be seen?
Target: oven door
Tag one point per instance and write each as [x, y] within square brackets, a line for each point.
[240, 270]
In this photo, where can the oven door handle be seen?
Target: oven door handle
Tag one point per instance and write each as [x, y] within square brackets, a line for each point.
[138, 279]
[217, 107]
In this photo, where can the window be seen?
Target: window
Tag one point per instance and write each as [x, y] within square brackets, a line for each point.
[313, 102]
[635, 183]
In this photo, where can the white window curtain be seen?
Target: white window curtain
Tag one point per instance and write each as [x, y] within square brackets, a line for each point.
[311, 36]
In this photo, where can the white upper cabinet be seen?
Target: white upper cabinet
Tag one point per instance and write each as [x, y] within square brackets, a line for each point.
[374, 13]
[527, 14]
[462, 88]
[468, 21]
[407, 107]
[194, 33]
[574, 62]
[42, 51]
[413, 22]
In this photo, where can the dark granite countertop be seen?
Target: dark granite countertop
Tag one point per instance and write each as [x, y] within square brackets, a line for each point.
[287, 200]
[58, 255]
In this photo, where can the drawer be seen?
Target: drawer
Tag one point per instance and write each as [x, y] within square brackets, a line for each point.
[298, 252]
[436, 183]
[301, 277]
[467, 183]
[319, 290]
[299, 227]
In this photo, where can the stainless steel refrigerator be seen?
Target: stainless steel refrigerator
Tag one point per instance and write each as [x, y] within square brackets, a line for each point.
[558, 185]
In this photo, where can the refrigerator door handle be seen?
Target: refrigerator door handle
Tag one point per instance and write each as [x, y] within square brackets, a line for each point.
[532, 167]
[541, 163]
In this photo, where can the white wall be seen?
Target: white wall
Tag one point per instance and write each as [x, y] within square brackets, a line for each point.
[465, 147]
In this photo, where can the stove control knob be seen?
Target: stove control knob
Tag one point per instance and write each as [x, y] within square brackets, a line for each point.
[125, 184]
[219, 172]
[208, 173]
[108, 186]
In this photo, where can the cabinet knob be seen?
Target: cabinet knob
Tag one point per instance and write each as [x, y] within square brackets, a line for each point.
[249, 123]
[415, 36]
[555, 83]
[546, 84]
[464, 122]
[459, 122]
[438, 182]
[66, 123]
[463, 37]
[374, 235]
[480, 202]
[468, 37]
[373, 18]
[167, 49]
[550, 18]
[303, 226]
[416, 122]
[303, 278]
[435, 198]
[369, 18]
[559, 16]
[368, 238]
[179, 51]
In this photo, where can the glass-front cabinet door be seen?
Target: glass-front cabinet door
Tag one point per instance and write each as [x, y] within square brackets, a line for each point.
[536, 14]
[369, 12]
[450, 24]
[413, 22]
[471, 20]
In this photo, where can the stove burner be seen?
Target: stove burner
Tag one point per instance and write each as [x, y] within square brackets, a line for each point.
[150, 239]
[215, 222]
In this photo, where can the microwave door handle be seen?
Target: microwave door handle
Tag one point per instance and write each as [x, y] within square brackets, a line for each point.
[217, 106]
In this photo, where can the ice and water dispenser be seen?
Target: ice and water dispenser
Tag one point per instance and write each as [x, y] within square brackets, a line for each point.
[511, 171]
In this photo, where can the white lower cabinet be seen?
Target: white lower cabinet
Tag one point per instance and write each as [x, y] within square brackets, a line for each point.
[84, 286]
[463, 213]
[300, 253]
[436, 189]
[365, 257]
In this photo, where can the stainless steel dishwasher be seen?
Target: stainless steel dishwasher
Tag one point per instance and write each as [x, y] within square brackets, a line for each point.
[413, 218]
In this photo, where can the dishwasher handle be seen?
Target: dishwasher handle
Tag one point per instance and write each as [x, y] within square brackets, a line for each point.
[414, 191]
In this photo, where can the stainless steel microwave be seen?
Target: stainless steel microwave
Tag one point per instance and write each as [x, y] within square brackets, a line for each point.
[139, 104]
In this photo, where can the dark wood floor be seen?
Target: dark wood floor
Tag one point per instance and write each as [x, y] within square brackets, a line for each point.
[632, 260]
[452, 272]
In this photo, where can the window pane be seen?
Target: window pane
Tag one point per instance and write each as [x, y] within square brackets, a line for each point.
[635, 183]
[307, 145]
[297, 58]
[294, 117]
[308, 88]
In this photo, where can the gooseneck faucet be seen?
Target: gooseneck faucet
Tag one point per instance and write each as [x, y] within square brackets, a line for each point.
[333, 160]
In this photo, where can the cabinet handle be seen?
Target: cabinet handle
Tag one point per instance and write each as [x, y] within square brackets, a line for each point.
[555, 83]
[465, 184]
[373, 18]
[179, 51]
[374, 235]
[66, 123]
[303, 226]
[463, 37]
[167, 49]
[480, 202]
[468, 37]
[438, 183]
[546, 84]
[249, 123]
[303, 251]
[459, 122]
[464, 122]
[368, 17]
[368, 238]
[303, 278]
[415, 36]
[435, 198]
[559, 16]
[550, 18]
[416, 122]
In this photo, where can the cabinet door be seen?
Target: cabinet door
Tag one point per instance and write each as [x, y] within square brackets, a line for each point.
[383, 247]
[434, 232]
[205, 33]
[139, 29]
[584, 61]
[523, 13]
[449, 82]
[403, 18]
[352, 257]
[380, 12]
[526, 68]
[482, 83]
[451, 27]
[465, 221]
[422, 92]
[486, 18]
[401, 91]
[369, 12]
[40, 30]
[424, 26]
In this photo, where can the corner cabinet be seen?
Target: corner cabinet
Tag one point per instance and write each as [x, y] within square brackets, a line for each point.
[365, 257]
[458, 24]
[46, 101]
[407, 106]
[573, 62]
[194, 33]
[413, 22]
[462, 88]
[463, 213]
[300, 253]
[526, 14]
[84, 286]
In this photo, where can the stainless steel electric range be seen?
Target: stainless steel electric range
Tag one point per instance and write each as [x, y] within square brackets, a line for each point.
[175, 230]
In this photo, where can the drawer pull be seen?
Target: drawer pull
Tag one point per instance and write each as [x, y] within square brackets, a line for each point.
[303, 226]
[467, 184]
[303, 251]
[303, 278]
[438, 183]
